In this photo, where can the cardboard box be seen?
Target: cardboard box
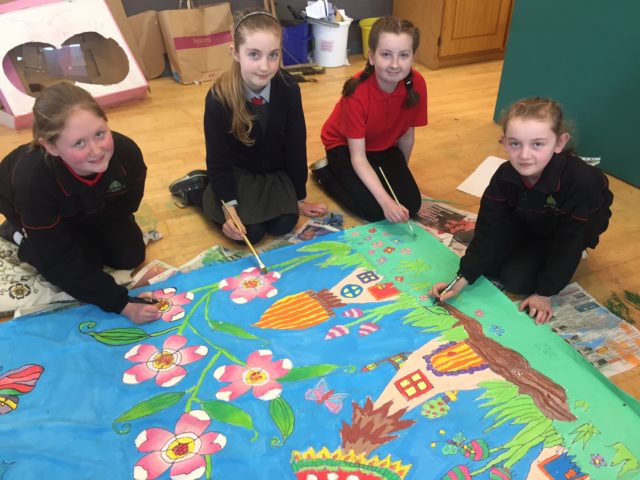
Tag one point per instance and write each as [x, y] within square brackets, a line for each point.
[84, 45]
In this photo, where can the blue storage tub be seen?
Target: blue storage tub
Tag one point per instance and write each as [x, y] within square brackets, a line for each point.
[295, 42]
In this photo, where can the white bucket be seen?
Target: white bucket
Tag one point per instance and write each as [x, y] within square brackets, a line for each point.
[330, 44]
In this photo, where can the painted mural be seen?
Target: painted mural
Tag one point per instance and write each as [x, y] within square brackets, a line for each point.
[333, 365]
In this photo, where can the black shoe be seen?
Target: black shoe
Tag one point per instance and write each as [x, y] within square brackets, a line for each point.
[7, 230]
[318, 167]
[193, 181]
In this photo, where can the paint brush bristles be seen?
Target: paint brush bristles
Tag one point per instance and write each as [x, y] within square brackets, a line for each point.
[263, 269]
[393, 194]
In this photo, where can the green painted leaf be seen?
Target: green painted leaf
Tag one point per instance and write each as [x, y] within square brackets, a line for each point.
[283, 417]
[150, 406]
[120, 336]
[231, 329]
[629, 462]
[229, 413]
[311, 371]
[583, 404]
[455, 334]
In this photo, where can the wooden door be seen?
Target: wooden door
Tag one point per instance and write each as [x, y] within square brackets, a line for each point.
[470, 26]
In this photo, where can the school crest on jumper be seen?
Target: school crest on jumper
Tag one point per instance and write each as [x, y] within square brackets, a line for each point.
[115, 186]
[550, 201]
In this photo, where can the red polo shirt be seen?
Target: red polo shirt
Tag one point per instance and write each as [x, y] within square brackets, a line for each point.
[374, 115]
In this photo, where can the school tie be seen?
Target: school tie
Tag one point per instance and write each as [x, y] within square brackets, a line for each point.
[257, 100]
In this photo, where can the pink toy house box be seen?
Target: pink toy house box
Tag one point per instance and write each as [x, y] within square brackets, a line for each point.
[48, 41]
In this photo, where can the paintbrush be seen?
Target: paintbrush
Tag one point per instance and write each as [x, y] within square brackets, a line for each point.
[263, 269]
[393, 194]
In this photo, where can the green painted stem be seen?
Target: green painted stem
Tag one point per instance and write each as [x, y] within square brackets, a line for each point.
[196, 387]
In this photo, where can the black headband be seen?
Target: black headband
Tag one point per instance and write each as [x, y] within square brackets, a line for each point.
[251, 14]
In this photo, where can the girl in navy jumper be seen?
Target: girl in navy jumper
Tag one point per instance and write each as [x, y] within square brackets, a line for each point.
[541, 209]
[372, 127]
[255, 136]
[69, 199]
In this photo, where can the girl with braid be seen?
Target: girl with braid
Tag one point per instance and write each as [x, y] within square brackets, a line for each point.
[372, 128]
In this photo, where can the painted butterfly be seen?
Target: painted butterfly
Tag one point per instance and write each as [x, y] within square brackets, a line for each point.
[323, 396]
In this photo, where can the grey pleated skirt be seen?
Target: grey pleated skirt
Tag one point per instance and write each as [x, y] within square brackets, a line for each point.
[261, 197]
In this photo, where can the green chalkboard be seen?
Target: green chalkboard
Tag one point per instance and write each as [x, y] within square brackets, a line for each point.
[585, 54]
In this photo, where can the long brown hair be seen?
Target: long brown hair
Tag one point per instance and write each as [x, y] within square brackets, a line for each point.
[53, 107]
[396, 26]
[228, 88]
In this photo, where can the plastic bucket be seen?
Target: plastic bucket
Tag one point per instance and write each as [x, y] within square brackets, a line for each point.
[295, 43]
[330, 44]
[365, 26]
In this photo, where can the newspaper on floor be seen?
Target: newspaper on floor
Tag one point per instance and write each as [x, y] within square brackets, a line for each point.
[151, 271]
[609, 343]
[451, 226]
[215, 254]
[311, 230]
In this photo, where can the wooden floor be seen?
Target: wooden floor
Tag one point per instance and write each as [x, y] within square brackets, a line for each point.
[168, 127]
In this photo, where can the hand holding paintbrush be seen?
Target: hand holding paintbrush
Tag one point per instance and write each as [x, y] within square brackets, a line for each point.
[242, 232]
[393, 194]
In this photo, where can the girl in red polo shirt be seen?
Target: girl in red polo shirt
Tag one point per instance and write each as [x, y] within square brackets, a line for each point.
[372, 128]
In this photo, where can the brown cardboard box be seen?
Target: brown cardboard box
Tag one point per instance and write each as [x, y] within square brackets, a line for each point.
[41, 52]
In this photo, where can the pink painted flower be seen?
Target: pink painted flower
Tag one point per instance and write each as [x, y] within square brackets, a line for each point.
[377, 244]
[382, 260]
[260, 374]
[170, 305]
[372, 252]
[479, 313]
[373, 230]
[424, 298]
[405, 251]
[251, 284]
[399, 278]
[165, 365]
[355, 233]
[182, 451]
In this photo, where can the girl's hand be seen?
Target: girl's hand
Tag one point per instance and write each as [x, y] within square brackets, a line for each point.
[309, 209]
[141, 313]
[395, 213]
[539, 308]
[229, 227]
[230, 230]
[440, 286]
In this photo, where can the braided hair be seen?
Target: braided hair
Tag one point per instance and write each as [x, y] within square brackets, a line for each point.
[396, 26]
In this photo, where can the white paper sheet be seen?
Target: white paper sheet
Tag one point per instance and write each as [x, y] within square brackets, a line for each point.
[477, 182]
